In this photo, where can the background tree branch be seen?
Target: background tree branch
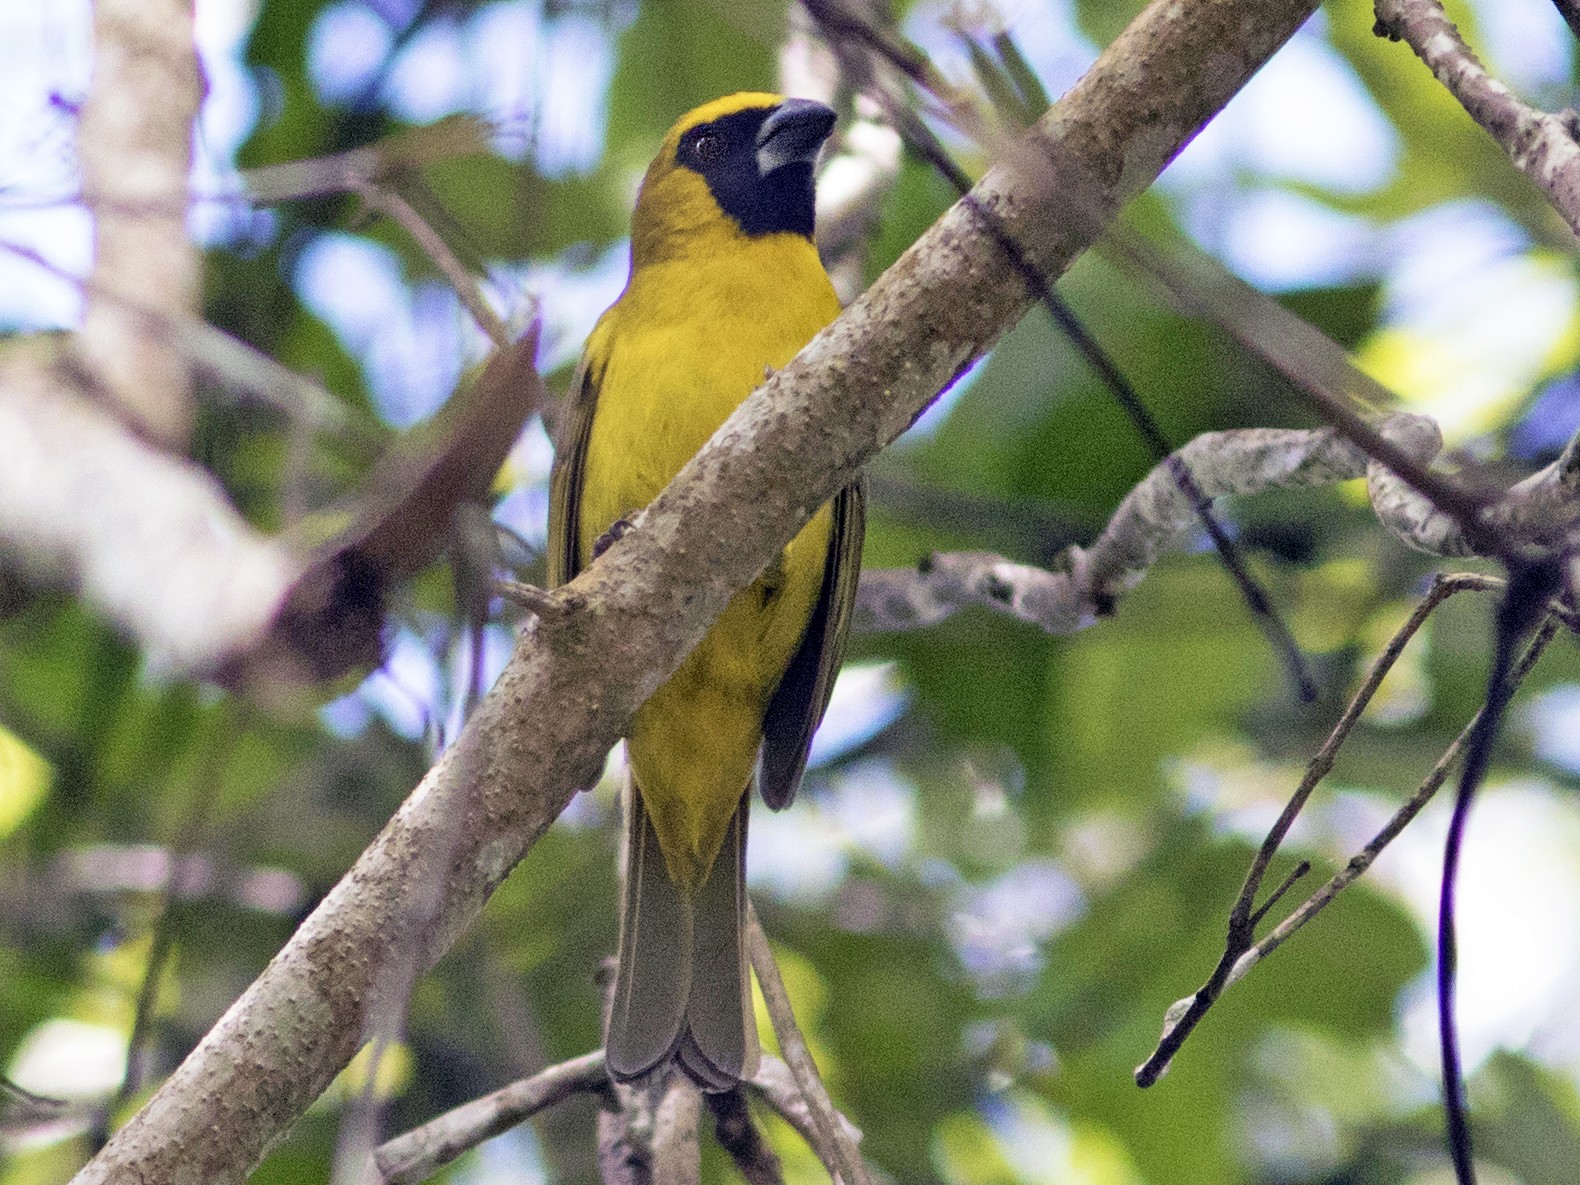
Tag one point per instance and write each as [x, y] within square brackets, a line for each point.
[1088, 583]
[135, 147]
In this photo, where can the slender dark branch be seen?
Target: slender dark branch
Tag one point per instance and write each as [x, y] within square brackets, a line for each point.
[1321, 763]
[738, 1135]
[1352, 870]
[1530, 588]
[833, 1146]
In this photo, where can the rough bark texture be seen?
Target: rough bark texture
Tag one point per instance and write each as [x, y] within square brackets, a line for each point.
[622, 626]
[135, 143]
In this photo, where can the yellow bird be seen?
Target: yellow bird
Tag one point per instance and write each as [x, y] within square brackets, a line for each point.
[725, 282]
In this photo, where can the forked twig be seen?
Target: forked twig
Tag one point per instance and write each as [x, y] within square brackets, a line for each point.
[1242, 950]
[418, 1154]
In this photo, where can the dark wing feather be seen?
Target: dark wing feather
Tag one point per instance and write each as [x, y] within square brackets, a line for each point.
[565, 479]
[801, 698]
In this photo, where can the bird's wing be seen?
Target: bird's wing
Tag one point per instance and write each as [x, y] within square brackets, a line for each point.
[565, 480]
[802, 695]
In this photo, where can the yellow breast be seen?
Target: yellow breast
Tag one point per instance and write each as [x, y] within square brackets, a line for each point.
[678, 353]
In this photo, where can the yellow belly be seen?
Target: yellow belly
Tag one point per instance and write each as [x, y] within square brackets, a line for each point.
[679, 361]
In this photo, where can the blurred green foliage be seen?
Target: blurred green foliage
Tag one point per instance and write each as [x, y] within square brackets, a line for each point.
[1113, 762]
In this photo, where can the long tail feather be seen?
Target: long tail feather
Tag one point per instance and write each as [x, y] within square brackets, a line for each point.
[654, 976]
[719, 1012]
[682, 990]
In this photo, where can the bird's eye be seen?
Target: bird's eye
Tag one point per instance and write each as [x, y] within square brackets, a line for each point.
[708, 147]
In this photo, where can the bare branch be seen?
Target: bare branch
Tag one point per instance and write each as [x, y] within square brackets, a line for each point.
[445, 139]
[463, 282]
[776, 1085]
[1363, 859]
[1544, 509]
[418, 1154]
[421, 1152]
[135, 145]
[1316, 367]
[1540, 145]
[1088, 583]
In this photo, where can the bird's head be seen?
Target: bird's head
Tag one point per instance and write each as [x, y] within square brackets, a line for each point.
[738, 166]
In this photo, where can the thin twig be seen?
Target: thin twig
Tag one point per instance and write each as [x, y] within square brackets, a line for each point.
[1524, 604]
[833, 1146]
[421, 1152]
[539, 601]
[1241, 950]
[432, 244]
[1442, 588]
[776, 1085]
[188, 840]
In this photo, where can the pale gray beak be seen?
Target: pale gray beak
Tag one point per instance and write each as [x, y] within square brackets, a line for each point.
[794, 131]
